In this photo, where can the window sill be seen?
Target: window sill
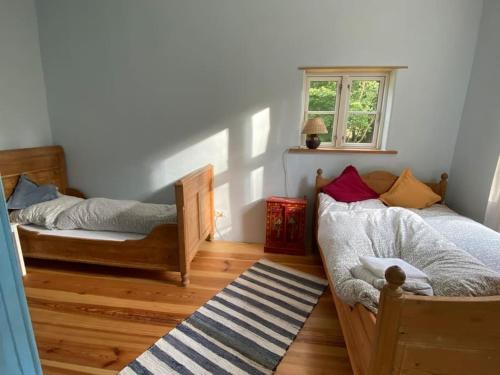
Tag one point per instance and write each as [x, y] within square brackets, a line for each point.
[327, 150]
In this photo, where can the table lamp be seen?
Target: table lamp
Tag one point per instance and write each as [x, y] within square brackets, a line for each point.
[312, 128]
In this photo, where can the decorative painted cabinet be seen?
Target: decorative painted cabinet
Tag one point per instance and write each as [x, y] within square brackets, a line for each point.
[285, 225]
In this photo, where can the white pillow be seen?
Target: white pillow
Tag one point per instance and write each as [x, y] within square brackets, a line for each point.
[45, 213]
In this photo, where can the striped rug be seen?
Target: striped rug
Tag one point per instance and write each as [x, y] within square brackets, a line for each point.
[244, 329]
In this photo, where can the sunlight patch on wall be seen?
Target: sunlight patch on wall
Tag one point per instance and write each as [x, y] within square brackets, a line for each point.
[222, 205]
[492, 217]
[256, 185]
[213, 150]
[261, 125]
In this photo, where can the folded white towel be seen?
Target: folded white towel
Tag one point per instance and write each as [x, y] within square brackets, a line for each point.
[414, 286]
[378, 266]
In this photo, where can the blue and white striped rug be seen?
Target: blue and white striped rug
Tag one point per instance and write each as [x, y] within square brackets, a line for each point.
[244, 329]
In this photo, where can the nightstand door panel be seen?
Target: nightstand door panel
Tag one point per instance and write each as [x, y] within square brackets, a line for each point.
[275, 224]
[294, 218]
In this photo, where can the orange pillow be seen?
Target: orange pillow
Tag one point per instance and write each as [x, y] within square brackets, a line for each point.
[409, 192]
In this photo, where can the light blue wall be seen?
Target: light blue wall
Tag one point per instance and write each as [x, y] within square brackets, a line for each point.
[141, 92]
[24, 119]
[478, 146]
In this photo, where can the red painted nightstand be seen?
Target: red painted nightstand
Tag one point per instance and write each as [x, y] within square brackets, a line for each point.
[285, 225]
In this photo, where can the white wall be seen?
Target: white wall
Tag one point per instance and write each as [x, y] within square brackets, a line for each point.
[141, 92]
[24, 119]
[477, 150]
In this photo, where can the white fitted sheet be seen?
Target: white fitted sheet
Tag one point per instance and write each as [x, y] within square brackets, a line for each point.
[85, 234]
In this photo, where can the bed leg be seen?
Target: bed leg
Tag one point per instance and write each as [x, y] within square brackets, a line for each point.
[185, 279]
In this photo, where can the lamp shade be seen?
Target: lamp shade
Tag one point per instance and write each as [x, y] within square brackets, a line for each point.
[315, 126]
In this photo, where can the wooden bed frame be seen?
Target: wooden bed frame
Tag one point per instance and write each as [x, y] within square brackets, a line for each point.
[417, 335]
[169, 247]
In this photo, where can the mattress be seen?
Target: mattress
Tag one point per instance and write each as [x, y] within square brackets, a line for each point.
[85, 234]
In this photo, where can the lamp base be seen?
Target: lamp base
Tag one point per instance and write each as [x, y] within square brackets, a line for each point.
[312, 141]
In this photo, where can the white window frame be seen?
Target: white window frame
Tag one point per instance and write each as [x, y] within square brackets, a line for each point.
[341, 111]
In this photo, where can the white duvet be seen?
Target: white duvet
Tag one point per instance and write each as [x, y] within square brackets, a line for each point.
[97, 214]
[116, 215]
[368, 228]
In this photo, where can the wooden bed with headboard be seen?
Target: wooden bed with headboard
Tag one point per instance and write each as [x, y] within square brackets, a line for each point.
[169, 247]
[417, 335]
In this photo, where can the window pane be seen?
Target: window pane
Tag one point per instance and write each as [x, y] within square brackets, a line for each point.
[322, 95]
[328, 120]
[360, 129]
[364, 95]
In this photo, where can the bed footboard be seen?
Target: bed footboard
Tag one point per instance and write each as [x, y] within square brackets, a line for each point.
[195, 215]
[435, 335]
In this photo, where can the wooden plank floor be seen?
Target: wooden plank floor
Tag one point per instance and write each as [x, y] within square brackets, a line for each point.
[95, 320]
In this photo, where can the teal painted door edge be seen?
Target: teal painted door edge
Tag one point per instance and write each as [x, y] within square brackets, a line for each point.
[18, 351]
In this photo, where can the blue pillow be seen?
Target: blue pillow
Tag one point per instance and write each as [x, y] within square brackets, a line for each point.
[28, 193]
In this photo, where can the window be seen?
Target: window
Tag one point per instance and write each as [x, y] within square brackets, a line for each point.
[492, 216]
[352, 105]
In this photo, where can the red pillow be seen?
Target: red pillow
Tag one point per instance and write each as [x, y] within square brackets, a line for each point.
[349, 187]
